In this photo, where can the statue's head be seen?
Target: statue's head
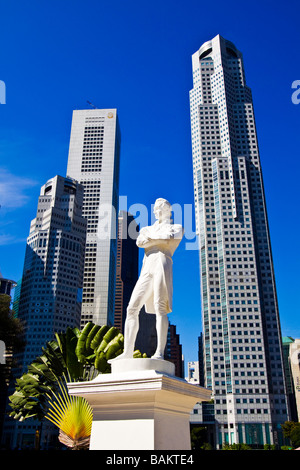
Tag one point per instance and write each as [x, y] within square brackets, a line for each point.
[162, 209]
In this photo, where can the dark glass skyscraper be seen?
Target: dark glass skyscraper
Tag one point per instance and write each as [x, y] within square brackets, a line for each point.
[242, 350]
[127, 266]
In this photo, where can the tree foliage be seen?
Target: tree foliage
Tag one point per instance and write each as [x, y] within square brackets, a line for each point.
[199, 438]
[72, 356]
[11, 328]
[240, 446]
[291, 430]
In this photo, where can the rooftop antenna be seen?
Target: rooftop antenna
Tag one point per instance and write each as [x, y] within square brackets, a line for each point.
[92, 105]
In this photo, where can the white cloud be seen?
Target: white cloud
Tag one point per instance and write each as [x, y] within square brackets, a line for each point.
[13, 190]
[6, 239]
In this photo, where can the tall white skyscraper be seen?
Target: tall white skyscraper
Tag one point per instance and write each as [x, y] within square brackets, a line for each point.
[242, 347]
[94, 160]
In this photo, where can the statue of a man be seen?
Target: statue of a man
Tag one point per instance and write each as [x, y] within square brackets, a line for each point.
[154, 288]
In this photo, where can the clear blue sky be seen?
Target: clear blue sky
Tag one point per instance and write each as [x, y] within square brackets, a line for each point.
[136, 56]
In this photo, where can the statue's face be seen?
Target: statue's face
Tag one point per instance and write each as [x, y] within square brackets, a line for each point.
[162, 212]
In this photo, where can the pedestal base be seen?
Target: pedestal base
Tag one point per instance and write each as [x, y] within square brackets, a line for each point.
[140, 409]
[121, 366]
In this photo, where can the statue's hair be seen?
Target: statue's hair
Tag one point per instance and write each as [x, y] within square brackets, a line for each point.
[162, 202]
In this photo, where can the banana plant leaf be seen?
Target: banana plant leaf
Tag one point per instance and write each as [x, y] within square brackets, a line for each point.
[72, 356]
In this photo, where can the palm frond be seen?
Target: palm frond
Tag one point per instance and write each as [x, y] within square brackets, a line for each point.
[72, 415]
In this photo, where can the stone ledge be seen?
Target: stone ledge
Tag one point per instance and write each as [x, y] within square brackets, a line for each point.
[137, 382]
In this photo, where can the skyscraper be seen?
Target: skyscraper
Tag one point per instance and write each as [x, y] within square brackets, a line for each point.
[291, 357]
[127, 266]
[94, 159]
[294, 362]
[6, 285]
[242, 348]
[51, 289]
[6, 350]
[173, 350]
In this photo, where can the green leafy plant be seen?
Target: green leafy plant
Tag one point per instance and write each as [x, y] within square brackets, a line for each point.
[72, 356]
[291, 430]
[236, 447]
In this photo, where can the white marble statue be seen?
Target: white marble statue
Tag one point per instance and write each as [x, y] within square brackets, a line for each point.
[154, 288]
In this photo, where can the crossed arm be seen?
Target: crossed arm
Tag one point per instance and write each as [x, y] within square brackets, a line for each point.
[144, 239]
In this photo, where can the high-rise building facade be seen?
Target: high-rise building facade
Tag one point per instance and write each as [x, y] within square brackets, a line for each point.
[242, 349]
[127, 266]
[291, 355]
[94, 160]
[193, 372]
[51, 289]
[294, 360]
[6, 285]
[6, 350]
[173, 350]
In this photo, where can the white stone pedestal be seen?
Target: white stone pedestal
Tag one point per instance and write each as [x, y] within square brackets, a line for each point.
[139, 406]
